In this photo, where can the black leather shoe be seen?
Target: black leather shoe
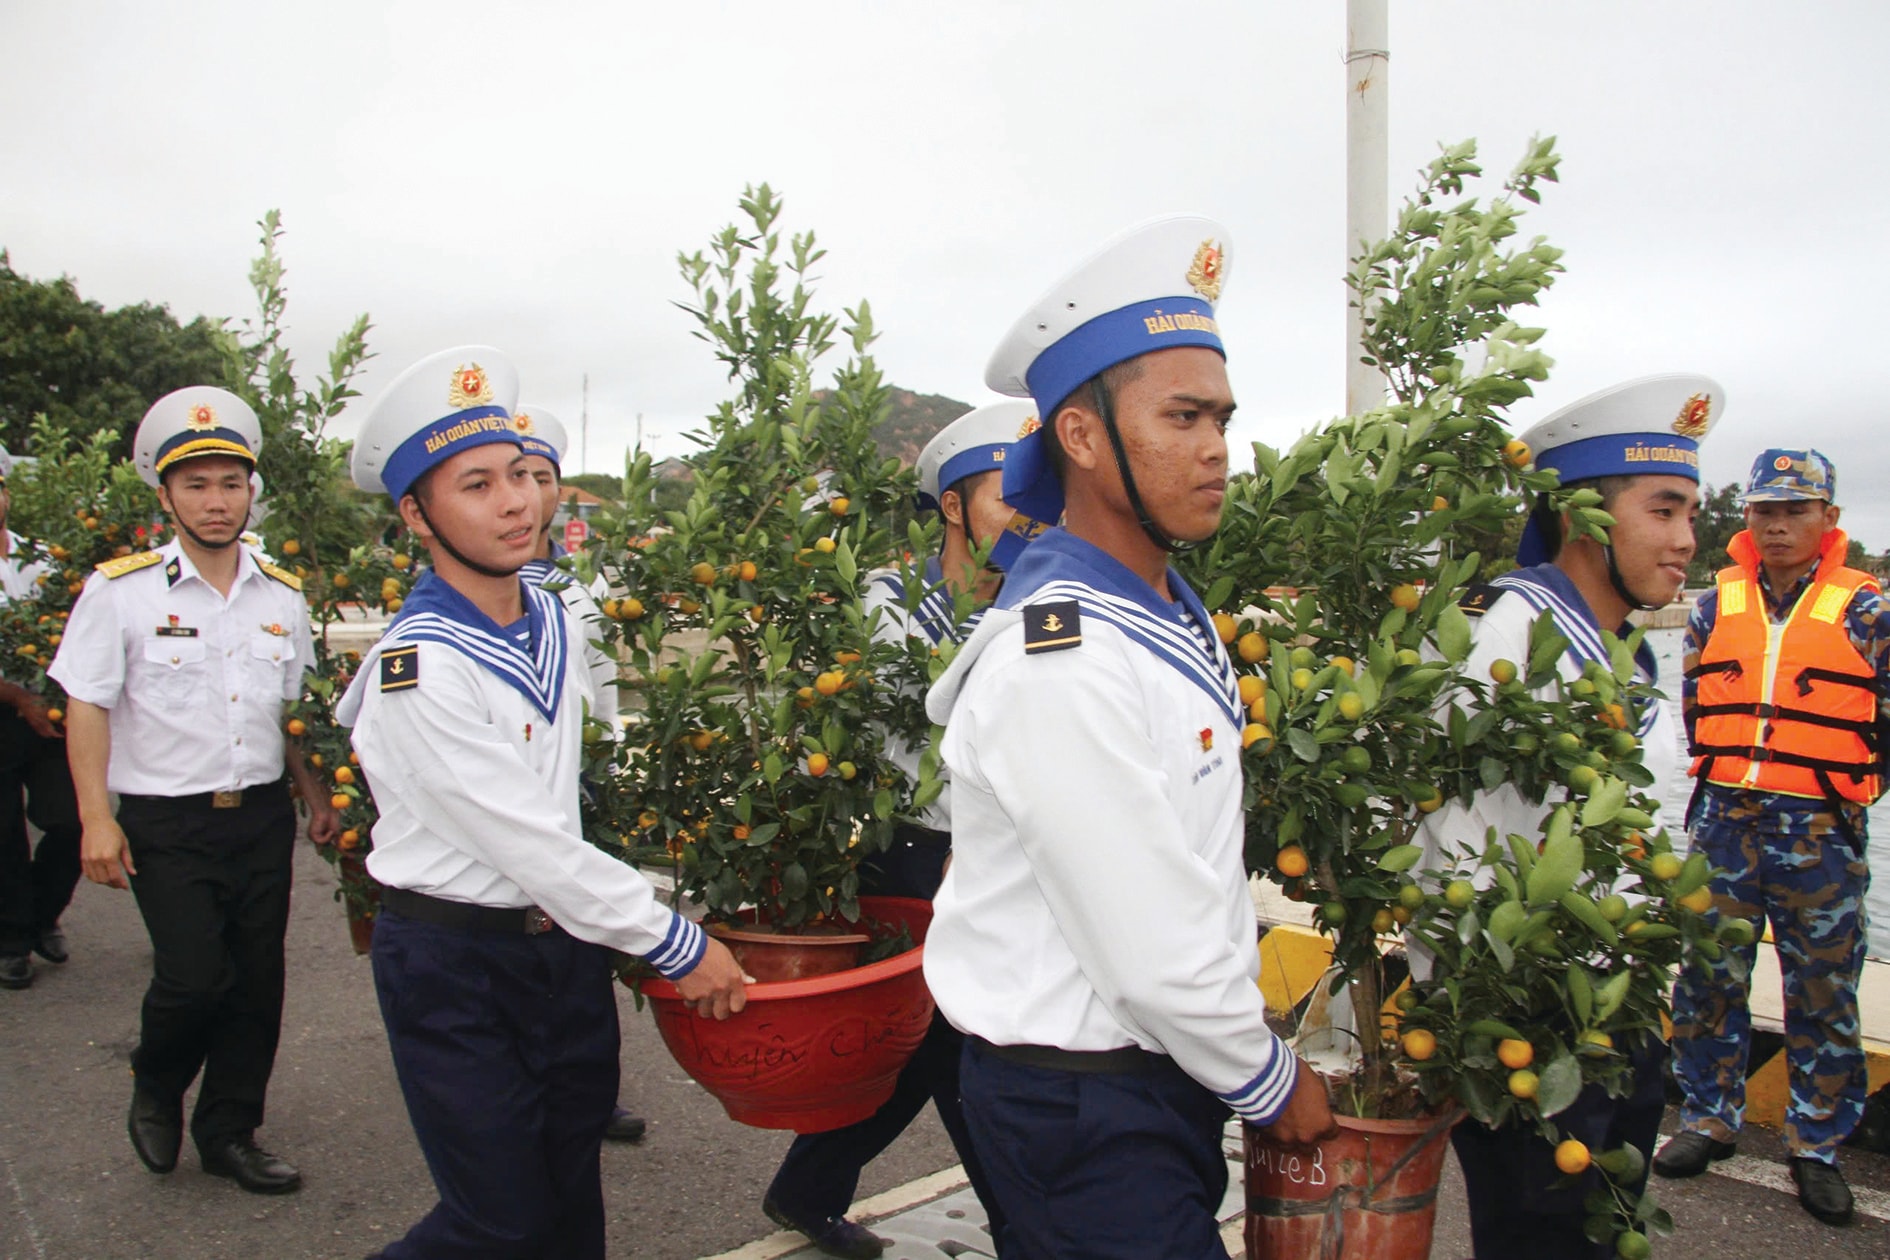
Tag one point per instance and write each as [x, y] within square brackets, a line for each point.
[624, 1127]
[1821, 1190]
[157, 1129]
[834, 1235]
[16, 971]
[52, 945]
[1690, 1153]
[249, 1166]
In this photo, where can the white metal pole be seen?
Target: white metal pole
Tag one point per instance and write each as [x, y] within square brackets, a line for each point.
[584, 428]
[1367, 101]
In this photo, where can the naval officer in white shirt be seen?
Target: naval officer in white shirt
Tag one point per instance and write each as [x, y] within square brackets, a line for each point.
[178, 662]
[1094, 938]
[492, 955]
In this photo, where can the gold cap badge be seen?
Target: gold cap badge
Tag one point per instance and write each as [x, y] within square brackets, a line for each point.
[1783, 463]
[470, 388]
[1030, 426]
[202, 416]
[1204, 274]
[1696, 416]
[522, 423]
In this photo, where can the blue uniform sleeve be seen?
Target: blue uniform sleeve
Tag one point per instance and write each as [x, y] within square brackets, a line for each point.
[1868, 622]
[1699, 629]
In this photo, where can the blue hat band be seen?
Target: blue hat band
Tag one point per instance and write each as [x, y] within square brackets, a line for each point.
[538, 446]
[443, 439]
[1103, 342]
[969, 462]
[1624, 455]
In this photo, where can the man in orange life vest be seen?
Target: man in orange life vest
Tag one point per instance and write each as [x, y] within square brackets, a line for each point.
[1786, 664]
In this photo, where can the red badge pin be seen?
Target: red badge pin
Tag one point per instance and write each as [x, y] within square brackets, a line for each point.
[1207, 738]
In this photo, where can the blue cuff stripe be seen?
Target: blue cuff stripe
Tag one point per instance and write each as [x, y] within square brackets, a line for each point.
[1262, 1099]
[681, 950]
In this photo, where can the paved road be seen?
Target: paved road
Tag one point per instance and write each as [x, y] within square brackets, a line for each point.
[72, 1190]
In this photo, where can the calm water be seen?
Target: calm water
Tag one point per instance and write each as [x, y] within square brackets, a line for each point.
[1667, 648]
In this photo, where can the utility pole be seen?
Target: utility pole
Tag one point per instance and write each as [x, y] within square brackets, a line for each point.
[584, 428]
[1367, 108]
[639, 433]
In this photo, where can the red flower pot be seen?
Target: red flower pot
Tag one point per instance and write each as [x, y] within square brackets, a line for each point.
[811, 1054]
[1368, 1194]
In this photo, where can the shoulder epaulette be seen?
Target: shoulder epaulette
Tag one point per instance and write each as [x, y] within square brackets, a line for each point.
[118, 566]
[1477, 600]
[400, 667]
[280, 574]
[1052, 626]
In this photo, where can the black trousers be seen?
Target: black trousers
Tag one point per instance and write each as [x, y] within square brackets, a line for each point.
[213, 887]
[506, 1047]
[821, 1172]
[1106, 1166]
[1518, 1206]
[36, 882]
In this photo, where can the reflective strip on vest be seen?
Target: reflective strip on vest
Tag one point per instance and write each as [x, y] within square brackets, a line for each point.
[1789, 707]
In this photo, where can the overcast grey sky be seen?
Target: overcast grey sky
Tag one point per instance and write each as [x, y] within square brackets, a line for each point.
[524, 175]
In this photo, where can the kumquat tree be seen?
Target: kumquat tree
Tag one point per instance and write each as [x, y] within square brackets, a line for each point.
[755, 761]
[1338, 572]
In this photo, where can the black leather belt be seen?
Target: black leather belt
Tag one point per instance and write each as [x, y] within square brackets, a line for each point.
[216, 800]
[1124, 1060]
[422, 908]
[922, 837]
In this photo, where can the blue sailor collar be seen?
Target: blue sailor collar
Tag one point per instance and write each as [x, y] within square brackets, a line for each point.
[437, 613]
[1059, 565]
[934, 617]
[1546, 588]
[539, 572]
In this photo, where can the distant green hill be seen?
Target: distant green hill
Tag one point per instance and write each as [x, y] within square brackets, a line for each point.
[912, 420]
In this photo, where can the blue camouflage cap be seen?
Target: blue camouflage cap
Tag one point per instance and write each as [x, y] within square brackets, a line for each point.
[1781, 476]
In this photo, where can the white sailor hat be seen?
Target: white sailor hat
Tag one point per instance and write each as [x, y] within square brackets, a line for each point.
[541, 433]
[447, 403]
[6, 465]
[975, 442]
[1154, 287]
[1649, 426]
[193, 422]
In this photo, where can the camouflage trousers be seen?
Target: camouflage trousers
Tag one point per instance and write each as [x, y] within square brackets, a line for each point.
[1810, 884]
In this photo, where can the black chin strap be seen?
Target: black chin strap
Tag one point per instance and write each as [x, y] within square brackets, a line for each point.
[1106, 409]
[203, 542]
[1620, 585]
[451, 550]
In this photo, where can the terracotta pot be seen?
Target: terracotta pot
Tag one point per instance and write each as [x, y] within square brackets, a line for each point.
[771, 956]
[1368, 1194]
[812, 1054]
[361, 931]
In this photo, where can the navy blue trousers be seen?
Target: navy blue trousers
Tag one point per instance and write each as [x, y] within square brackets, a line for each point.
[1102, 1166]
[1519, 1205]
[506, 1050]
[821, 1171]
[36, 881]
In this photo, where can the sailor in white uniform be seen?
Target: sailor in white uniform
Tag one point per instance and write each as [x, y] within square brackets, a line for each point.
[1637, 444]
[492, 952]
[1094, 938]
[960, 477]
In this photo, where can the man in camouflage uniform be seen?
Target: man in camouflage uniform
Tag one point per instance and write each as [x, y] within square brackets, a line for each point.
[1794, 856]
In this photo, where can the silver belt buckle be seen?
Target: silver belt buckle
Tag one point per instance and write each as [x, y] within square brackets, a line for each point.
[537, 921]
[226, 800]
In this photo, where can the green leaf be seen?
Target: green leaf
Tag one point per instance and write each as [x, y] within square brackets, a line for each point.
[1400, 858]
[1560, 1085]
[1303, 744]
[1453, 633]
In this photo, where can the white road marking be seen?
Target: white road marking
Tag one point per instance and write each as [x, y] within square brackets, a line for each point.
[866, 1211]
[1767, 1175]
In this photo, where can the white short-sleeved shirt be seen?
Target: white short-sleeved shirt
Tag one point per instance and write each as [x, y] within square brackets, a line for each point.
[1098, 895]
[19, 580]
[478, 794]
[195, 681]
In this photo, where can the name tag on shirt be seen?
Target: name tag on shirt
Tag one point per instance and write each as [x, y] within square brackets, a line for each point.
[176, 632]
